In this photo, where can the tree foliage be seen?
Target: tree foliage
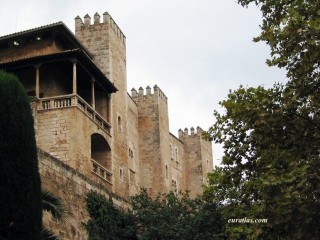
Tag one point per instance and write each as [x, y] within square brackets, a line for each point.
[53, 205]
[271, 137]
[107, 221]
[292, 30]
[271, 163]
[176, 217]
[166, 217]
[20, 201]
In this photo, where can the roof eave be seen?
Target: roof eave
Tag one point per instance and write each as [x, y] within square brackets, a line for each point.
[68, 33]
[78, 54]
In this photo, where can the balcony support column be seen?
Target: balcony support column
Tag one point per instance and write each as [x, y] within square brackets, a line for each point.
[74, 77]
[93, 98]
[37, 90]
[108, 107]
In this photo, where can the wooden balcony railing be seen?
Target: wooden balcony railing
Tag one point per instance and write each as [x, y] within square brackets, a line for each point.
[74, 100]
[101, 171]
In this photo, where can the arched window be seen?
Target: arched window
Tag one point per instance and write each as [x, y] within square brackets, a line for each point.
[171, 152]
[101, 156]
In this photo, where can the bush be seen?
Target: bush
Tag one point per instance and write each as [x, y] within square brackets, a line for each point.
[20, 188]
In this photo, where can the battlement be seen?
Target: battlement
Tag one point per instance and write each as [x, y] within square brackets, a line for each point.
[107, 19]
[185, 132]
[141, 93]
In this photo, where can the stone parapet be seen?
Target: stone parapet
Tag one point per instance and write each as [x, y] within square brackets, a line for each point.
[185, 132]
[141, 93]
[107, 19]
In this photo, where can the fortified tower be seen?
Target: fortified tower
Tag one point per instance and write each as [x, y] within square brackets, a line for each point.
[153, 129]
[198, 159]
[107, 43]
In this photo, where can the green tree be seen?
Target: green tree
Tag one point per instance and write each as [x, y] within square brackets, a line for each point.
[292, 30]
[176, 217]
[107, 222]
[53, 205]
[271, 165]
[20, 201]
[166, 217]
[271, 136]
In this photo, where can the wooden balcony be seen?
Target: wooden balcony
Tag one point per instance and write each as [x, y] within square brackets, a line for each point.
[74, 100]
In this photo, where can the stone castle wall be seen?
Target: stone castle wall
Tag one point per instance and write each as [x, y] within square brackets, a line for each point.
[133, 145]
[72, 187]
[59, 133]
[206, 156]
[153, 130]
[176, 165]
[198, 159]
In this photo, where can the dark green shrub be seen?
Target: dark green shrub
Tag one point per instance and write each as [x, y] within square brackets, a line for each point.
[20, 189]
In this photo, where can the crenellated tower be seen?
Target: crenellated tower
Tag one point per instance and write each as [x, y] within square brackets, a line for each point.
[197, 157]
[153, 138]
[107, 43]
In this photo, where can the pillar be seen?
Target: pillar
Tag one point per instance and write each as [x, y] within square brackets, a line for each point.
[108, 107]
[37, 81]
[74, 78]
[93, 100]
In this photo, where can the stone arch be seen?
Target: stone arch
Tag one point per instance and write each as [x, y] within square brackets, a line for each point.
[100, 150]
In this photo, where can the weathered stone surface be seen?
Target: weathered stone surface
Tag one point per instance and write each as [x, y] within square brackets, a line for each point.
[91, 139]
[72, 187]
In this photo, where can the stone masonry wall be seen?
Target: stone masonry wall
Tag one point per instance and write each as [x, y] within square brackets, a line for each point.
[206, 155]
[72, 187]
[54, 132]
[153, 127]
[66, 134]
[133, 145]
[106, 42]
[196, 151]
[177, 165]
[164, 137]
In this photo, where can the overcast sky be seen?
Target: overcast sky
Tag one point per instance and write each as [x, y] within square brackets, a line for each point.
[194, 50]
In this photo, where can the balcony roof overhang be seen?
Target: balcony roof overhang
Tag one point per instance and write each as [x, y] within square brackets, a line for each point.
[59, 30]
[78, 55]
